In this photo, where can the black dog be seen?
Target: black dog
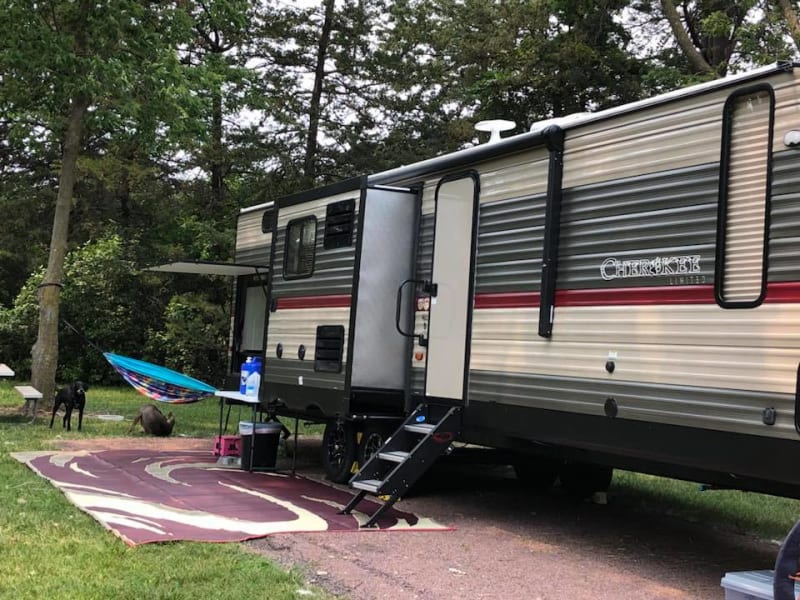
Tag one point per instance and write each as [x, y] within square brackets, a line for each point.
[71, 396]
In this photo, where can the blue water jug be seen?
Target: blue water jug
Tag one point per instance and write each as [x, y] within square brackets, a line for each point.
[252, 376]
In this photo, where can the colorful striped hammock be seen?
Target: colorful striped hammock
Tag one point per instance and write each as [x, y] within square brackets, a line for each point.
[159, 383]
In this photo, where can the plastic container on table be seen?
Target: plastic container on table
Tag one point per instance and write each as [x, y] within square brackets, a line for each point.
[250, 376]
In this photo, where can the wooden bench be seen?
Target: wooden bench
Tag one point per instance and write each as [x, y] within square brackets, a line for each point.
[31, 394]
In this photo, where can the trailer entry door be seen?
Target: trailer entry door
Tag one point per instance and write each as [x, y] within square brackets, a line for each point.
[450, 316]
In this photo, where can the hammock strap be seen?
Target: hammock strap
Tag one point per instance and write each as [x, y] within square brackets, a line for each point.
[81, 335]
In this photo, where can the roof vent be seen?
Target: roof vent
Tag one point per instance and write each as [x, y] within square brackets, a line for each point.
[495, 126]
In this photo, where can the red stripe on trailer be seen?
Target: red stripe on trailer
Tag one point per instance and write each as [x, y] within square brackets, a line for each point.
[695, 294]
[788, 291]
[507, 300]
[684, 294]
[784, 291]
[331, 301]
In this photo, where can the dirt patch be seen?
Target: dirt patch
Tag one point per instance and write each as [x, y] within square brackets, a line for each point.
[176, 443]
[508, 543]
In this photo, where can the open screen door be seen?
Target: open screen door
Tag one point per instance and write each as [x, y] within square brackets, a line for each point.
[450, 316]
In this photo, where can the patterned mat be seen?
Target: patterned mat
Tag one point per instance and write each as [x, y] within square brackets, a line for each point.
[146, 496]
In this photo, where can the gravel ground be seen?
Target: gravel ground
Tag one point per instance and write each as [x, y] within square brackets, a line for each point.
[507, 544]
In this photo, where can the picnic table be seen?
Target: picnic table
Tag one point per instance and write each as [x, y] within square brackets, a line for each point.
[6, 371]
[31, 396]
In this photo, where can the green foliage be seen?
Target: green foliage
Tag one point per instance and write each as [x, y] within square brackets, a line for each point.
[194, 337]
[118, 310]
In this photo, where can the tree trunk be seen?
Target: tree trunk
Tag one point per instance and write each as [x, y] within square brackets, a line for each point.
[45, 350]
[697, 63]
[217, 165]
[790, 14]
[316, 95]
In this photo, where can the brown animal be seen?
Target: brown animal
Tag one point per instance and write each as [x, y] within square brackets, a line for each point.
[153, 421]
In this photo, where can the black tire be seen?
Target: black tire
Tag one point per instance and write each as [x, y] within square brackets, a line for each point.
[583, 480]
[537, 473]
[338, 451]
[373, 437]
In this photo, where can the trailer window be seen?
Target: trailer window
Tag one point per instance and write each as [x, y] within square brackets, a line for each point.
[255, 307]
[743, 216]
[298, 256]
[339, 219]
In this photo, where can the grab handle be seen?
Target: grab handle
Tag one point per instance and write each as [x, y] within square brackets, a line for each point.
[399, 310]
[427, 288]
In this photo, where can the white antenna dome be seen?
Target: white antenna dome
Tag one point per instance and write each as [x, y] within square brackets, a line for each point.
[495, 126]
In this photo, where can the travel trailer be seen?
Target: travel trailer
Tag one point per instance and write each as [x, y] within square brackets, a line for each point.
[613, 289]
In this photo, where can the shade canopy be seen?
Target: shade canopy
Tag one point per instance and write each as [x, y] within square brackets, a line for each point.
[200, 267]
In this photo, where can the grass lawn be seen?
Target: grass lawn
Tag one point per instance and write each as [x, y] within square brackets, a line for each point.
[51, 550]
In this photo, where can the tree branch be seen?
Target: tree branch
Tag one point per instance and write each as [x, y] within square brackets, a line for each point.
[696, 60]
[790, 14]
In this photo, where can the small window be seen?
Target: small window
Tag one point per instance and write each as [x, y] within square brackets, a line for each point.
[329, 348]
[301, 239]
[743, 216]
[339, 220]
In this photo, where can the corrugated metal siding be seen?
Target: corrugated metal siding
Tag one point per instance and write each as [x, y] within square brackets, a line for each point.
[510, 238]
[675, 135]
[333, 269]
[295, 327]
[516, 176]
[252, 245]
[666, 214]
[787, 106]
[784, 245]
[701, 345]
[687, 406]
[746, 185]
[333, 275]
[510, 230]
[288, 371]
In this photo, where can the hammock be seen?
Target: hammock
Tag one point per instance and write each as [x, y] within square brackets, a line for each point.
[159, 383]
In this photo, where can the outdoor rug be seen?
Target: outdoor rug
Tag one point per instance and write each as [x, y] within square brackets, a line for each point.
[146, 496]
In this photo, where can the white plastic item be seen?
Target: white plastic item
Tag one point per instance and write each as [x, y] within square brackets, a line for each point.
[245, 373]
[268, 428]
[253, 384]
[748, 585]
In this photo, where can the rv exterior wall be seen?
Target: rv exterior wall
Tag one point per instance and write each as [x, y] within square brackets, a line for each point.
[638, 325]
[305, 303]
[641, 194]
[252, 244]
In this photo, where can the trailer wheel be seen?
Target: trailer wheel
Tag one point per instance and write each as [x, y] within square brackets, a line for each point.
[537, 473]
[373, 438]
[338, 450]
[787, 566]
[583, 479]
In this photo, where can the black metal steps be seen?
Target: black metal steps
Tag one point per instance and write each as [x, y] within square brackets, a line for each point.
[426, 434]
